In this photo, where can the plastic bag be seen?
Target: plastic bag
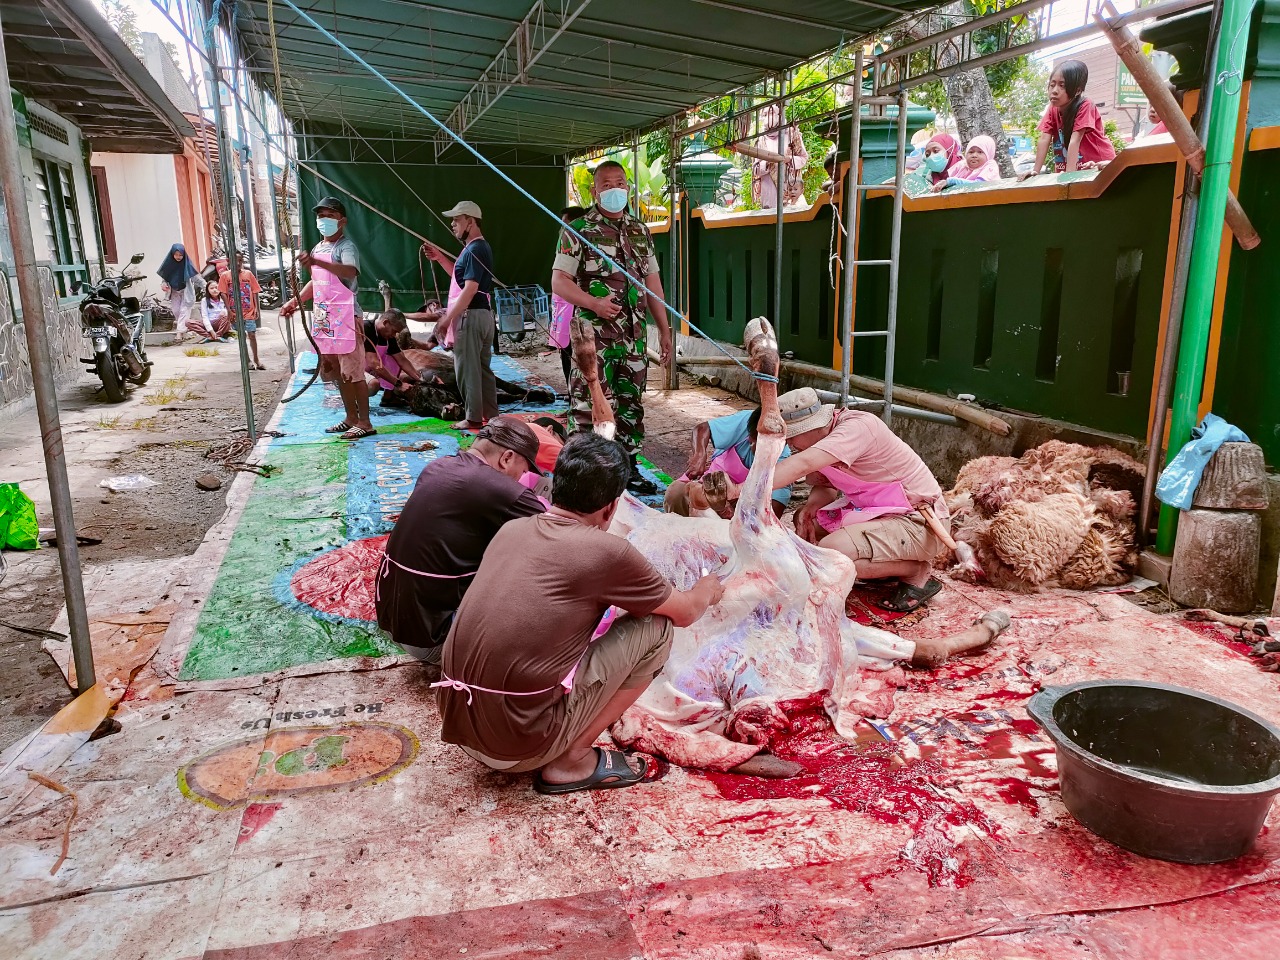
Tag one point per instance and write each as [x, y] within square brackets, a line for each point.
[132, 481]
[18, 527]
[1177, 484]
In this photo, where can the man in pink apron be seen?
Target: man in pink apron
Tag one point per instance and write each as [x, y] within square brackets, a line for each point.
[725, 444]
[392, 372]
[457, 506]
[529, 679]
[868, 488]
[335, 269]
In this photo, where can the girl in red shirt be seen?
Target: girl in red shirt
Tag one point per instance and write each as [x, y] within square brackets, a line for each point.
[1071, 124]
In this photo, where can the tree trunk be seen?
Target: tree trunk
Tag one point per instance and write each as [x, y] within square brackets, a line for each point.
[972, 102]
[975, 112]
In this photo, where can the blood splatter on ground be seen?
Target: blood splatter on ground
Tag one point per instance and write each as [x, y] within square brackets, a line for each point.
[873, 779]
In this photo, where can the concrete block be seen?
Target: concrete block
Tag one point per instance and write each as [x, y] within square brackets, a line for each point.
[1215, 560]
[1155, 566]
[1235, 478]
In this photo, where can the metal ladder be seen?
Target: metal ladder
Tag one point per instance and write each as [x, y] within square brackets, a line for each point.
[847, 278]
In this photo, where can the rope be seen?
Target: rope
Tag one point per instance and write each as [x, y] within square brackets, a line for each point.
[519, 189]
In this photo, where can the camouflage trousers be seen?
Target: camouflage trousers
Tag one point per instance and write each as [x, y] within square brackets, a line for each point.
[623, 371]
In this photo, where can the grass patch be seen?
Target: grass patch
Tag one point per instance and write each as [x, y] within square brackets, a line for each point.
[201, 351]
[173, 390]
[109, 423]
[144, 423]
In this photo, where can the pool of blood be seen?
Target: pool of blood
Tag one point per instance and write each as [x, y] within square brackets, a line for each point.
[873, 779]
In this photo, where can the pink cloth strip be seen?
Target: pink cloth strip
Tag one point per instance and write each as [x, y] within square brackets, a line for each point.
[467, 688]
[384, 569]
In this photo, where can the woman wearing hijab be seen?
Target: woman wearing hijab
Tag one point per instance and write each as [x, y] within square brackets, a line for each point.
[941, 153]
[177, 272]
[977, 165]
[763, 185]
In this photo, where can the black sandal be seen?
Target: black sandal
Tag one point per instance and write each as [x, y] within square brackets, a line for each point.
[612, 772]
[342, 427]
[909, 599]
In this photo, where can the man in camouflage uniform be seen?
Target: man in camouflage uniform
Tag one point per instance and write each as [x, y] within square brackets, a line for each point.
[610, 308]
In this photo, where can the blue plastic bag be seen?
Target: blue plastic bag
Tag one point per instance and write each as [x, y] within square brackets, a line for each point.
[1177, 485]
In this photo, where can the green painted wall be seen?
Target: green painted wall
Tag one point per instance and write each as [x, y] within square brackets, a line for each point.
[1249, 351]
[1038, 307]
[522, 236]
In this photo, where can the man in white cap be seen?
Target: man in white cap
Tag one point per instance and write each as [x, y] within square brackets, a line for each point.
[470, 316]
[868, 490]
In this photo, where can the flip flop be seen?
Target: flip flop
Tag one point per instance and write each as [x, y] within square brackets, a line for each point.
[908, 599]
[342, 427]
[612, 772]
[358, 433]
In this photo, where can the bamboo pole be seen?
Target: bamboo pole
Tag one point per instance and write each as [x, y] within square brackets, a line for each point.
[1157, 91]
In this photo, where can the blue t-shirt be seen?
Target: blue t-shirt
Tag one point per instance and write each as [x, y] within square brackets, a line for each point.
[475, 262]
[731, 432]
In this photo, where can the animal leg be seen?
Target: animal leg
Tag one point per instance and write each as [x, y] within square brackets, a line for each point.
[583, 337]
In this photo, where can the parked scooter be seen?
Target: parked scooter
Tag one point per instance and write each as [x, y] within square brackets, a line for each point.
[113, 324]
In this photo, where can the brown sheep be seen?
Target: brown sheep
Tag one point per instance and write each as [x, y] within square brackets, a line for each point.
[1059, 515]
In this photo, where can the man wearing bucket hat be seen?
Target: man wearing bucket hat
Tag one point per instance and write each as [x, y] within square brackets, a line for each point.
[470, 318]
[869, 490]
[334, 263]
[457, 506]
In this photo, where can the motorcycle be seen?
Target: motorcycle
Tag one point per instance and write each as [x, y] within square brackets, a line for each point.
[113, 325]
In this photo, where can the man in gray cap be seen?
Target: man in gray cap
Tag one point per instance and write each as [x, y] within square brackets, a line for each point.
[871, 493]
[470, 316]
[457, 506]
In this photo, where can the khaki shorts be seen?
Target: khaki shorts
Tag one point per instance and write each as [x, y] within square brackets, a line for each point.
[628, 657]
[343, 367]
[903, 537]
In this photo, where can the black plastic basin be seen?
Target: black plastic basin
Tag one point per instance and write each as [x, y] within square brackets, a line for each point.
[1163, 771]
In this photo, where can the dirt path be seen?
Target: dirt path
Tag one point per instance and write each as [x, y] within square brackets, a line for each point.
[163, 431]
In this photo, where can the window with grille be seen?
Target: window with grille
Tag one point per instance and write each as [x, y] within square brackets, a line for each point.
[60, 220]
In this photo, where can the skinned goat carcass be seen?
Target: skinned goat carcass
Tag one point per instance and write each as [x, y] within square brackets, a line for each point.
[779, 637]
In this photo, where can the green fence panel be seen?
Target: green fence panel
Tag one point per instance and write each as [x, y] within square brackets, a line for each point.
[1250, 347]
[1049, 308]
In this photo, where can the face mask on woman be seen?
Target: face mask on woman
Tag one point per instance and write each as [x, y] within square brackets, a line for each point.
[327, 226]
[614, 200]
[936, 162]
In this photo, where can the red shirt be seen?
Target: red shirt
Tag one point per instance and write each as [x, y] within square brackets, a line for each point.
[1095, 146]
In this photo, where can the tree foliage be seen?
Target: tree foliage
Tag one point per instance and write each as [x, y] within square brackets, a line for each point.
[123, 19]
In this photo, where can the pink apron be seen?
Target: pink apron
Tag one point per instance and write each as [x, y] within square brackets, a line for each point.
[455, 292]
[388, 362]
[728, 463]
[561, 314]
[861, 502]
[333, 321]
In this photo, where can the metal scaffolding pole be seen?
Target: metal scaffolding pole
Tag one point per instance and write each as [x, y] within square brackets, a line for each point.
[779, 181]
[850, 248]
[35, 326]
[895, 256]
[228, 225]
[286, 325]
[673, 294]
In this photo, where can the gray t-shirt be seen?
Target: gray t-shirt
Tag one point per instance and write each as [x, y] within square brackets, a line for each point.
[344, 252]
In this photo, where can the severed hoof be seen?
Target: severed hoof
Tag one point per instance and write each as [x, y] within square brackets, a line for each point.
[716, 487]
[607, 429]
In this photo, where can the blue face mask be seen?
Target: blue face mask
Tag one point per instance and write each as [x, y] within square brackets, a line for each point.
[614, 200]
[327, 226]
[936, 162]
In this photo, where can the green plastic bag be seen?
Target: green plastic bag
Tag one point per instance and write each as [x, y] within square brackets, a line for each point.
[18, 527]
